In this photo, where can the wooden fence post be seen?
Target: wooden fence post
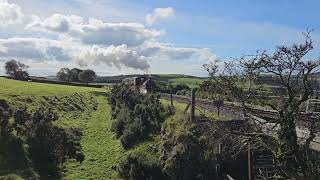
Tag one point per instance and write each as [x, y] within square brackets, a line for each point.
[193, 104]
[171, 97]
[249, 163]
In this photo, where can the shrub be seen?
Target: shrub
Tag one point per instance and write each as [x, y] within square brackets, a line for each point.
[5, 113]
[49, 146]
[133, 133]
[138, 166]
[136, 115]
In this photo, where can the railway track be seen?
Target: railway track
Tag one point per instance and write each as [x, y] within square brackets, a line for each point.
[236, 109]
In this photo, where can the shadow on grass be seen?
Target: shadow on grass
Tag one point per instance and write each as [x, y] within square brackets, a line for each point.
[13, 158]
[12, 154]
[105, 94]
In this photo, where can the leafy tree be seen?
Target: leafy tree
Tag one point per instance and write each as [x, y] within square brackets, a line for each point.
[75, 74]
[64, 74]
[87, 76]
[16, 70]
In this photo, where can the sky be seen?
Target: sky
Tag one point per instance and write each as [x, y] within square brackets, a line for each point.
[116, 37]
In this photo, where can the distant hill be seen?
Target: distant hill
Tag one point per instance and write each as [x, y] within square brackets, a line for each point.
[157, 77]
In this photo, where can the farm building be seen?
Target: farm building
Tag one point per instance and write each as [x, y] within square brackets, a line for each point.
[143, 84]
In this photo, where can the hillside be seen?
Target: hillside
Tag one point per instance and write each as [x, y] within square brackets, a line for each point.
[191, 81]
[77, 107]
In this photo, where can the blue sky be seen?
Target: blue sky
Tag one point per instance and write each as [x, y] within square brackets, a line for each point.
[148, 36]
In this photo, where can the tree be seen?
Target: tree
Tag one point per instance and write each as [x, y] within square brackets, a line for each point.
[87, 76]
[64, 74]
[75, 74]
[295, 73]
[16, 70]
[235, 80]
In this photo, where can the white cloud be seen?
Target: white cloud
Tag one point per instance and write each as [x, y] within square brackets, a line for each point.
[159, 14]
[169, 52]
[118, 56]
[10, 14]
[95, 31]
[56, 23]
[71, 39]
[34, 49]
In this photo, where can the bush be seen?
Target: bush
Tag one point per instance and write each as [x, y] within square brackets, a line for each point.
[49, 146]
[138, 166]
[136, 115]
[133, 133]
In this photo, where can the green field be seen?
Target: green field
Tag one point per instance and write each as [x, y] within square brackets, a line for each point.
[77, 107]
[191, 82]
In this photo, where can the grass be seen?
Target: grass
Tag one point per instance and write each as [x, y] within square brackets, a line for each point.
[101, 148]
[180, 107]
[191, 82]
[77, 107]
[20, 88]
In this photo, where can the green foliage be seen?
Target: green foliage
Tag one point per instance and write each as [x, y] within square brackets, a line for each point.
[87, 76]
[64, 74]
[184, 154]
[137, 166]
[16, 70]
[48, 145]
[75, 74]
[136, 115]
[191, 82]
[5, 112]
[13, 155]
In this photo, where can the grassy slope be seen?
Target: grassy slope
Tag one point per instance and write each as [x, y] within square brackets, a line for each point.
[102, 150]
[19, 88]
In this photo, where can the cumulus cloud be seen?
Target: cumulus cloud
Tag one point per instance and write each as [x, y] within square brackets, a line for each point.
[95, 31]
[92, 42]
[56, 23]
[159, 14]
[33, 49]
[169, 52]
[10, 14]
[119, 56]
